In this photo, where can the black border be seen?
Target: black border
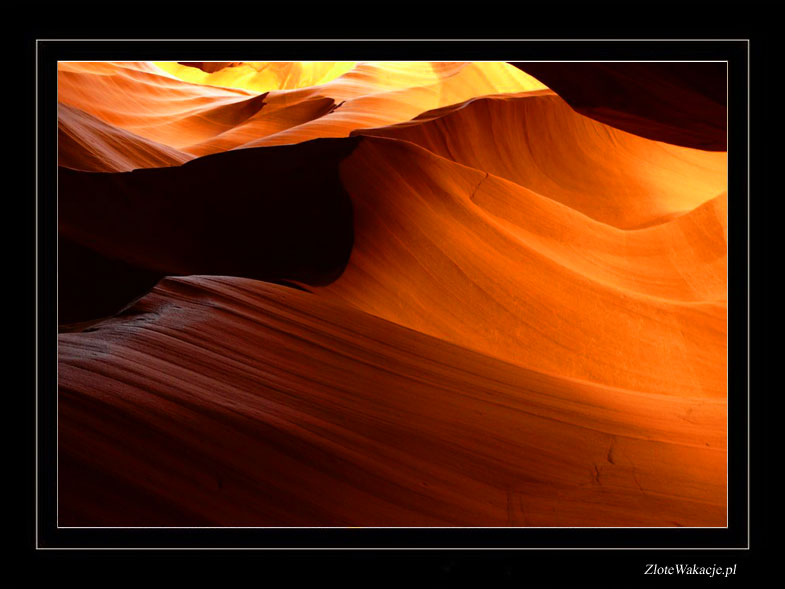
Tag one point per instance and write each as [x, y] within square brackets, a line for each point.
[705, 542]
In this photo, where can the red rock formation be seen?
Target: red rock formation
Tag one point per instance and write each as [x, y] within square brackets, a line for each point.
[516, 314]
[613, 176]
[87, 143]
[146, 101]
[471, 258]
[683, 103]
[223, 401]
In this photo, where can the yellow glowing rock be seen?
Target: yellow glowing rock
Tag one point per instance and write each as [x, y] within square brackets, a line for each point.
[262, 76]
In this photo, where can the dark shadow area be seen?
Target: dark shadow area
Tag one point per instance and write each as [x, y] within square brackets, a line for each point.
[683, 103]
[92, 286]
[272, 213]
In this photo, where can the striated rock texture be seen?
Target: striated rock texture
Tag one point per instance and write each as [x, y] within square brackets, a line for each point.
[390, 294]
[150, 102]
[226, 401]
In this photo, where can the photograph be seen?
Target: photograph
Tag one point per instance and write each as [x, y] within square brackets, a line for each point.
[382, 294]
[439, 308]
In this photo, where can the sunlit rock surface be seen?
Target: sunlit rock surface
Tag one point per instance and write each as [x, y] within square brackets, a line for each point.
[390, 294]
